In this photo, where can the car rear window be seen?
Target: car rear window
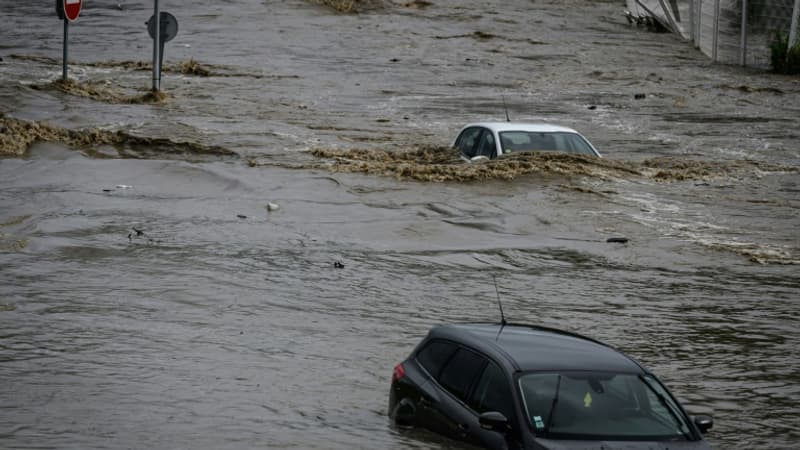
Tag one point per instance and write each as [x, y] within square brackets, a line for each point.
[460, 371]
[433, 356]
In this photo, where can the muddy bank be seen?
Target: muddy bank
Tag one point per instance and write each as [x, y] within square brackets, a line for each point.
[16, 136]
[443, 164]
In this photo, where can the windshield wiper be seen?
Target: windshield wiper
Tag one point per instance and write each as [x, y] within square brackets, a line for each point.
[552, 406]
[667, 406]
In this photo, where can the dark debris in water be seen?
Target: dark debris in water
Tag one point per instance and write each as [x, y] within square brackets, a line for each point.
[417, 4]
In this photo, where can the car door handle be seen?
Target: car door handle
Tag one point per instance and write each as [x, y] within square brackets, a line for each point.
[463, 427]
[423, 401]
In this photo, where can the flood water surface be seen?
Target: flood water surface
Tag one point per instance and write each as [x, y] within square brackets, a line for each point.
[241, 263]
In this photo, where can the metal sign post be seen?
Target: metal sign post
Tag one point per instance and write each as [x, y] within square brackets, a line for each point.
[64, 55]
[162, 27]
[793, 27]
[156, 48]
[68, 11]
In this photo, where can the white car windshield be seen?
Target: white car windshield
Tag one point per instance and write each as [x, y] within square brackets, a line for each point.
[601, 406]
[525, 141]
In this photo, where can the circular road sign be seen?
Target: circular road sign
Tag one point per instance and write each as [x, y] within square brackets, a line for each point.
[71, 9]
[169, 26]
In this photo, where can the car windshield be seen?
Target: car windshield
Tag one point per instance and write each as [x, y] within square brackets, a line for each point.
[526, 141]
[601, 406]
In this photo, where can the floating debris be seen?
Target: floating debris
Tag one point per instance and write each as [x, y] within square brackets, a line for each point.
[350, 6]
[192, 67]
[17, 135]
[444, 164]
[417, 4]
[440, 164]
[617, 240]
[12, 244]
[15, 221]
[750, 89]
[338, 265]
[99, 91]
[188, 67]
[272, 207]
[241, 216]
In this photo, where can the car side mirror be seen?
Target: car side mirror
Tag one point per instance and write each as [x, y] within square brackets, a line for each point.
[704, 423]
[494, 421]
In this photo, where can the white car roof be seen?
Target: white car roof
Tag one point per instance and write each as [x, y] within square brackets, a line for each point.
[521, 126]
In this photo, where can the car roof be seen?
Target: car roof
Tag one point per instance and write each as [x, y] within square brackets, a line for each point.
[536, 348]
[521, 126]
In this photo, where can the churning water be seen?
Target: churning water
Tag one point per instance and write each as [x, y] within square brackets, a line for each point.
[167, 265]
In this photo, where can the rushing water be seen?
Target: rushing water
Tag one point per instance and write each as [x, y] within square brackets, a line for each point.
[222, 323]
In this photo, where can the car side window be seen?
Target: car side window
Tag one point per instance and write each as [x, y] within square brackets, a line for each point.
[433, 356]
[492, 393]
[487, 146]
[467, 141]
[460, 372]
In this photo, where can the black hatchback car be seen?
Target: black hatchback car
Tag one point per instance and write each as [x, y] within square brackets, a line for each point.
[528, 387]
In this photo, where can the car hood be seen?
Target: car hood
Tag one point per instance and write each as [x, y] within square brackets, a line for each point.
[550, 444]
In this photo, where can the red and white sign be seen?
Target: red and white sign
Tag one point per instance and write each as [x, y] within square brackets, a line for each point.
[71, 9]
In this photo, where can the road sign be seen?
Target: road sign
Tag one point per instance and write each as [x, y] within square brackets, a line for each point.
[168, 24]
[68, 9]
[167, 30]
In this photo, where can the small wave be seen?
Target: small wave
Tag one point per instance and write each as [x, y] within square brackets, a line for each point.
[680, 169]
[758, 253]
[9, 243]
[189, 67]
[100, 91]
[16, 136]
[352, 6]
[443, 164]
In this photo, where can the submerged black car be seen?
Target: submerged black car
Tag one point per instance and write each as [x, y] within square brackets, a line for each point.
[527, 387]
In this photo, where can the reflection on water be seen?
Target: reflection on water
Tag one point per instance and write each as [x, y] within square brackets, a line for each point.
[149, 298]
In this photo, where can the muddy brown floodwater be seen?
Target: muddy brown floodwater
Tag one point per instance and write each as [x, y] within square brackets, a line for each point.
[241, 263]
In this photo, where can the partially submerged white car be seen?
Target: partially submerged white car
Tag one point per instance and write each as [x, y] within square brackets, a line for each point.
[488, 140]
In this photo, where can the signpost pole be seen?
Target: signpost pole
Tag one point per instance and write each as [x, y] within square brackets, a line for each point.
[793, 27]
[156, 48]
[743, 42]
[64, 56]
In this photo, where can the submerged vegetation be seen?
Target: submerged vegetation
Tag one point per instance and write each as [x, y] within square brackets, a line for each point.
[784, 60]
